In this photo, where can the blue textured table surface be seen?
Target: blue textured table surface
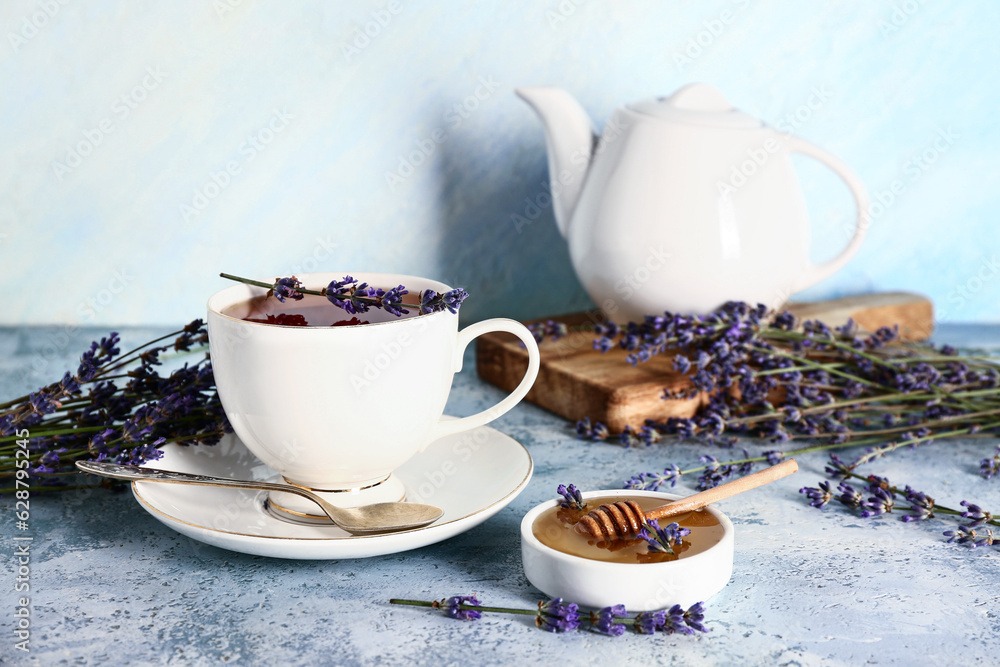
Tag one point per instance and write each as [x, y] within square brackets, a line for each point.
[110, 583]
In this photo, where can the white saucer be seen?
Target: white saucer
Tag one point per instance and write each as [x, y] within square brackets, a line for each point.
[471, 476]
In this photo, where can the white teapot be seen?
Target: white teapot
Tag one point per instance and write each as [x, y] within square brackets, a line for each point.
[683, 203]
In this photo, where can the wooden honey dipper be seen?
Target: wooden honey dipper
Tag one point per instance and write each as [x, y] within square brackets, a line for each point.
[624, 519]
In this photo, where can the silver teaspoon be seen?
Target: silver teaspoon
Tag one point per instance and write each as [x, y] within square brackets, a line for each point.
[366, 520]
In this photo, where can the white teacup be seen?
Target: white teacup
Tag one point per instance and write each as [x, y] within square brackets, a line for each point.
[337, 409]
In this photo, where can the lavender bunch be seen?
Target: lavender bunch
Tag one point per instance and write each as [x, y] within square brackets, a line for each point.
[767, 376]
[113, 407]
[878, 497]
[357, 297]
[557, 616]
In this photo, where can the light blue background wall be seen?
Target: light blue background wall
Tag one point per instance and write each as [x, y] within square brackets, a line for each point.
[111, 229]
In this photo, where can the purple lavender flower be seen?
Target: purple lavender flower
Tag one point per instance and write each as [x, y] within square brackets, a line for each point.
[572, 495]
[653, 481]
[361, 298]
[682, 364]
[663, 540]
[98, 355]
[986, 540]
[649, 435]
[978, 515]
[603, 621]
[746, 467]
[587, 431]
[42, 403]
[694, 617]
[837, 469]
[555, 616]
[686, 622]
[338, 293]
[880, 502]
[69, 385]
[392, 300]
[648, 622]
[715, 473]
[921, 505]
[551, 328]
[784, 321]
[674, 621]
[603, 344]
[141, 454]
[989, 468]
[818, 497]
[774, 457]
[452, 607]
[961, 535]
[629, 438]
[433, 302]
[850, 496]
[636, 482]
[287, 288]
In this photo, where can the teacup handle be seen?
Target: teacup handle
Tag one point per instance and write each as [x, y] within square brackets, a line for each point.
[466, 336]
[817, 272]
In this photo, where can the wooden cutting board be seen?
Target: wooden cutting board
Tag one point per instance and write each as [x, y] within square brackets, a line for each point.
[576, 381]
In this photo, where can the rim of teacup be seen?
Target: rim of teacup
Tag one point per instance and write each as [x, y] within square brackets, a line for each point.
[528, 535]
[241, 292]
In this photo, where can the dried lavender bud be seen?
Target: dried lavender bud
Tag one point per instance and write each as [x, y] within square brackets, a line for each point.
[989, 468]
[961, 535]
[686, 622]
[554, 616]
[648, 622]
[392, 300]
[850, 496]
[880, 502]
[662, 540]
[818, 497]
[629, 438]
[921, 505]
[287, 288]
[603, 621]
[452, 607]
[587, 431]
[978, 515]
[652, 481]
[572, 495]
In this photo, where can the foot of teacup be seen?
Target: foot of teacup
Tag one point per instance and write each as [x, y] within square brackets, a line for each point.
[295, 507]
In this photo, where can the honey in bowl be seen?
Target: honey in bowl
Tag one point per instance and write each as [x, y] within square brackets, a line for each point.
[554, 529]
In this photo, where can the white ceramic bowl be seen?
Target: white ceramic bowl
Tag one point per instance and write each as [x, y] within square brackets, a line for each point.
[640, 587]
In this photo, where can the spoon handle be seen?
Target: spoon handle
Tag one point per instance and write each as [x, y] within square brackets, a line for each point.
[156, 475]
[709, 496]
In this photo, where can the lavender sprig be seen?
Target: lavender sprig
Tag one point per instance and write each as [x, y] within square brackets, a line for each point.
[558, 616]
[573, 499]
[355, 297]
[883, 498]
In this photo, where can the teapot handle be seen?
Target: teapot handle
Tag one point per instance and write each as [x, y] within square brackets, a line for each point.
[814, 273]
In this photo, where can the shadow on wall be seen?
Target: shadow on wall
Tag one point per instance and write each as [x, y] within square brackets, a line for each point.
[498, 237]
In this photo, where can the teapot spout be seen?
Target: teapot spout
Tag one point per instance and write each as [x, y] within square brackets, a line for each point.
[570, 140]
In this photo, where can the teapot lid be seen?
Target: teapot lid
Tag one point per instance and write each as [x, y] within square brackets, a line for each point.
[699, 104]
